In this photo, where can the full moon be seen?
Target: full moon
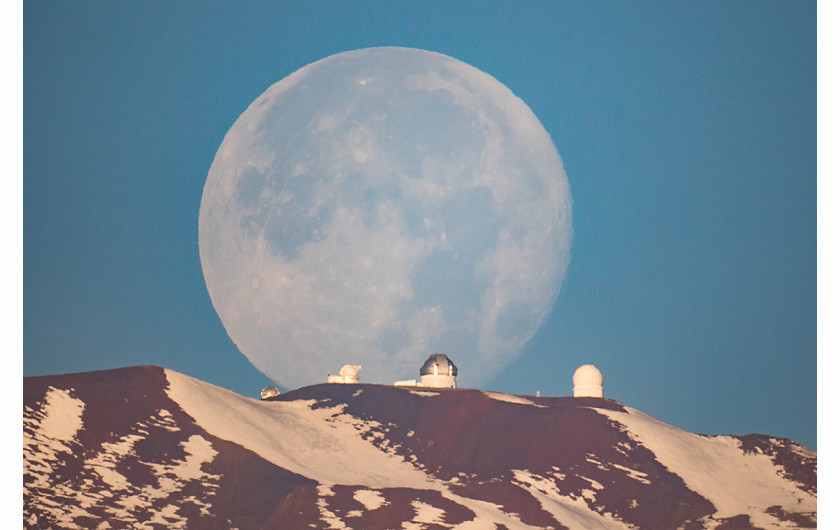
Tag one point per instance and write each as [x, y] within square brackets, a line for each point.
[378, 206]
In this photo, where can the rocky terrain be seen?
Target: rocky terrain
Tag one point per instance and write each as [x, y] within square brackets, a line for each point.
[146, 447]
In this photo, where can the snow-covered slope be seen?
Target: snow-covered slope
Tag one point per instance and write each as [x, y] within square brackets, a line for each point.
[717, 467]
[150, 448]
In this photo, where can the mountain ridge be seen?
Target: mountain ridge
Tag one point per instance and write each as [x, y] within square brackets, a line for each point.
[151, 448]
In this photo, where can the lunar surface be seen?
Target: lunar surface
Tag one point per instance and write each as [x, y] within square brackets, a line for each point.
[378, 206]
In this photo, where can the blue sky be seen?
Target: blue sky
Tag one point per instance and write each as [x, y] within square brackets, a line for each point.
[688, 132]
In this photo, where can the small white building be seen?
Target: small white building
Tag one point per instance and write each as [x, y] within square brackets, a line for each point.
[588, 382]
[269, 392]
[438, 372]
[349, 374]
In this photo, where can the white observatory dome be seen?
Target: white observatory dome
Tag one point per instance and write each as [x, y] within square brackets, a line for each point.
[588, 382]
[350, 370]
[348, 375]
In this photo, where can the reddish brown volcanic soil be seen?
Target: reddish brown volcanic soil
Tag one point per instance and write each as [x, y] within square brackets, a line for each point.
[137, 458]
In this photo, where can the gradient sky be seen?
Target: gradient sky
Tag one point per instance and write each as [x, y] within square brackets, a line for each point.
[688, 131]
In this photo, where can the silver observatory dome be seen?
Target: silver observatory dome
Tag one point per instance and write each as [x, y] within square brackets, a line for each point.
[438, 364]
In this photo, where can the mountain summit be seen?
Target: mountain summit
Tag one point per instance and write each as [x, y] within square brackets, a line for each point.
[146, 447]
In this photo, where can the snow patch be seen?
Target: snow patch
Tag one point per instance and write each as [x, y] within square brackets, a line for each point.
[327, 516]
[510, 398]
[423, 393]
[594, 483]
[424, 514]
[634, 474]
[62, 415]
[593, 459]
[198, 452]
[370, 499]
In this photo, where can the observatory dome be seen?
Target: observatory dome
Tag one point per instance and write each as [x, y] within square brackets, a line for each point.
[438, 371]
[438, 363]
[349, 374]
[588, 382]
[350, 370]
